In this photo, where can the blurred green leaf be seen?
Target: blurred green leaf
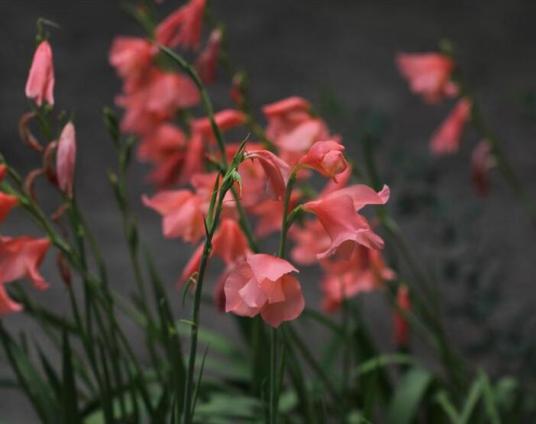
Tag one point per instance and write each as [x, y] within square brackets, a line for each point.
[408, 396]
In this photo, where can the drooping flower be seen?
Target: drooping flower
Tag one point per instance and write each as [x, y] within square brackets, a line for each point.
[337, 212]
[428, 74]
[207, 61]
[262, 284]
[40, 83]
[131, 57]
[66, 159]
[363, 271]
[447, 137]
[20, 257]
[182, 213]
[269, 214]
[481, 162]
[183, 27]
[276, 170]
[310, 240]
[326, 157]
[400, 323]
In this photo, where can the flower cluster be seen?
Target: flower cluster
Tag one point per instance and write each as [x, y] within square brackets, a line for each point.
[273, 180]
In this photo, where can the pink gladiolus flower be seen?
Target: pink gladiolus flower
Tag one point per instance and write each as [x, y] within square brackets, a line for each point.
[182, 27]
[363, 271]
[428, 74]
[66, 159]
[131, 57]
[20, 257]
[326, 157]
[207, 61]
[40, 83]
[7, 202]
[277, 171]
[400, 324]
[269, 213]
[481, 162]
[261, 284]
[447, 138]
[182, 213]
[347, 229]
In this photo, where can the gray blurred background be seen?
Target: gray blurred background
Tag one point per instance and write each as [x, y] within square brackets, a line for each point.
[339, 54]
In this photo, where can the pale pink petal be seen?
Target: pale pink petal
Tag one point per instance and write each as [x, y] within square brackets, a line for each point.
[287, 310]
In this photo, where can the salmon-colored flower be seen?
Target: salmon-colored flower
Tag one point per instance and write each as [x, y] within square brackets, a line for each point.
[3, 171]
[346, 228]
[20, 257]
[269, 214]
[66, 159]
[207, 61]
[182, 27]
[131, 57]
[400, 324]
[276, 170]
[326, 157]
[363, 271]
[40, 83]
[262, 284]
[481, 162]
[447, 137]
[156, 100]
[182, 212]
[428, 74]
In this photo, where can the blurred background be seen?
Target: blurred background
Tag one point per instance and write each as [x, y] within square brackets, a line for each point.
[340, 55]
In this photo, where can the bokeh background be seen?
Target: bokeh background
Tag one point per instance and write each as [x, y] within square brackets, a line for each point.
[339, 54]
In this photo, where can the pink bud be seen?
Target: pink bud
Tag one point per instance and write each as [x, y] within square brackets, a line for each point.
[40, 83]
[66, 158]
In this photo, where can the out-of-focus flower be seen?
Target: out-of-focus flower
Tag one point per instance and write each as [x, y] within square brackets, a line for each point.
[346, 228]
[207, 61]
[447, 137]
[40, 83]
[131, 57]
[182, 213]
[292, 128]
[400, 324]
[20, 257]
[262, 284]
[182, 27]
[161, 143]
[156, 100]
[3, 171]
[428, 74]
[310, 240]
[277, 170]
[326, 157]
[481, 162]
[363, 271]
[66, 159]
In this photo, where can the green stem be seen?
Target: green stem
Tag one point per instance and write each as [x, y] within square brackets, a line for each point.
[273, 376]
